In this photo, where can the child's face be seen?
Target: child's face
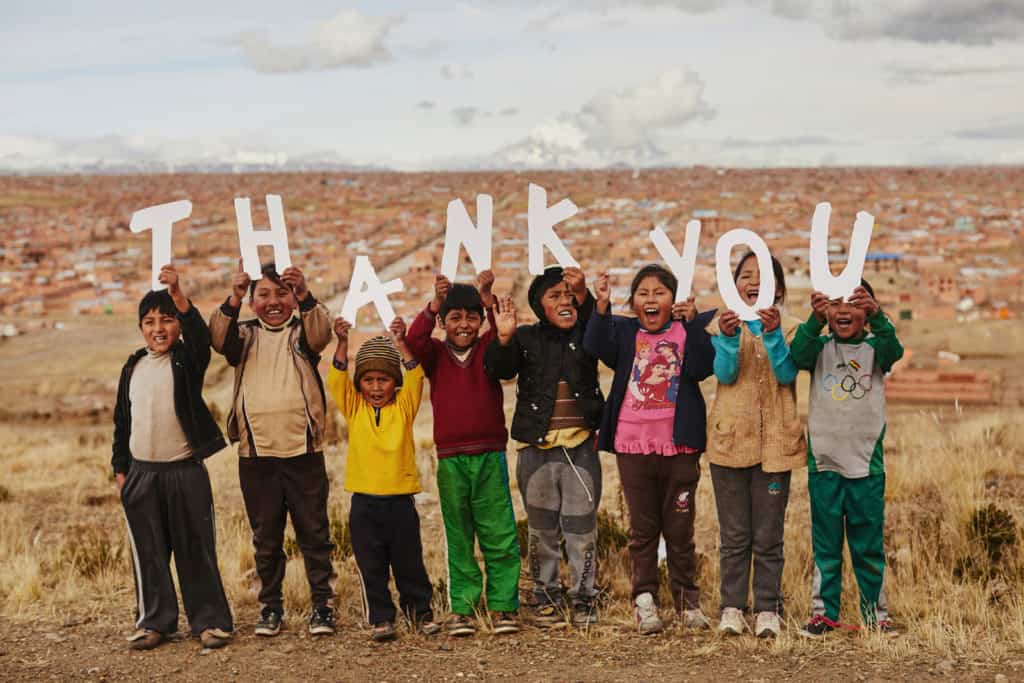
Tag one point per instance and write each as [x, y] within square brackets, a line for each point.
[378, 388]
[159, 330]
[845, 320]
[652, 303]
[272, 302]
[748, 284]
[461, 327]
[559, 306]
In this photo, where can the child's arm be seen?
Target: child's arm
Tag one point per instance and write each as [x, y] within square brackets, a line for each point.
[408, 399]
[224, 336]
[339, 381]
[484, 284]
[888, 348]
[418, 337]
[698, 352]
[316, 319]
[783, 367]
[727, 348]
[808, 342]
[121, 456]
[502, 355]
[599, 339]
[195, 333]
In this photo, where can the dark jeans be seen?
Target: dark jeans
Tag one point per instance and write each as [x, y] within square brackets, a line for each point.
[386, 537]
[661, 494]
[273, 489]
[169, 510]
[751, 515]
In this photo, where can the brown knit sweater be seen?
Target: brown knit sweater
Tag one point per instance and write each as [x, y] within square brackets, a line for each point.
[754, 420]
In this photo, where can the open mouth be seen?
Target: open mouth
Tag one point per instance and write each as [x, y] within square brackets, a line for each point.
[651, 314]
[753, 293]
[843, 321]
[567, 314]
[159, 338]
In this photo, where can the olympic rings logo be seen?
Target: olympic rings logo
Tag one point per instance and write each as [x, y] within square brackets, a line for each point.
[850, 386]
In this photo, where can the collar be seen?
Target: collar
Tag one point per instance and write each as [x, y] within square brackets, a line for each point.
[275, 328]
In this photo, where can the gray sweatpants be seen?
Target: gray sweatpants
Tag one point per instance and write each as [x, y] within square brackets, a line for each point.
[751, 515]
[561, 489]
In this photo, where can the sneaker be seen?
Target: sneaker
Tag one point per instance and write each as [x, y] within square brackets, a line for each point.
[767, 625]
[460, 626]
[694, 618]
[818, 626]
[583, 613]
[428, 627]
[549, 616]
[269, 624]
[213, 638]
[505, 623]
[321, 621]
[886, 628]
[731, 622]
[647, 620]
[383, 631]
[145, 639]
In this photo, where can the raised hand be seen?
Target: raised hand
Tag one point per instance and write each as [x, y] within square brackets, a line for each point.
[484, 283]
[864, 301]
[240, 282]
[577, 282]
[293, 278]
[442, 285]
[819, 304]
[397, 329]
[685, 310]
[770, 319]
[505, 319]
[169, 277]
[341, 328]
[728, 323]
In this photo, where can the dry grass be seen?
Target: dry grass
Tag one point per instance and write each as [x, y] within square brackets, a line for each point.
[62, 541]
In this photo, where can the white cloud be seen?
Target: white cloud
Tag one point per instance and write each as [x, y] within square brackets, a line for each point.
[627, 125]
[464, 116]
[455, 72]
[968, 64]
[348, 39]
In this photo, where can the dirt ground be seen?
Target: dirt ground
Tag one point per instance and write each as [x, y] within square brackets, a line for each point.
[84, 649]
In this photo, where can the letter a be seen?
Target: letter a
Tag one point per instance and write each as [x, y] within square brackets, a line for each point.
[366, 288]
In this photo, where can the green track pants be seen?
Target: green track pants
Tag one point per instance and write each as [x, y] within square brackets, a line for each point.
[477, 506]
[854, 508]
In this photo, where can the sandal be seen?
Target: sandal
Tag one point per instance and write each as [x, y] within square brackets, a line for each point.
[383, 631]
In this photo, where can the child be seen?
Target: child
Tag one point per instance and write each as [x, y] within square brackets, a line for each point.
[654, 421]
[382, 475]
[846, 472]
[470, 434]
[163, 431]
[557, 410]
[756, 439]
[277, 417]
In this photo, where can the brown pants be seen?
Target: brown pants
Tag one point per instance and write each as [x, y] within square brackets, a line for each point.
[661, 496]
[274, 489]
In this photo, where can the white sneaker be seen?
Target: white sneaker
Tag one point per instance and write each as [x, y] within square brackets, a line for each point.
[647, 620]
[694, 618]
[767, 625]
[732, 623]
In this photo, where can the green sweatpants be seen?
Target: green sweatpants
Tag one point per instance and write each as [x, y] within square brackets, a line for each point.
[477, 506]
[856, 508]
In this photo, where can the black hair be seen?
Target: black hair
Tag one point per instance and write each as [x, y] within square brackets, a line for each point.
[865, 285]
[552, 276]
[160, 301]
[663, 274]
[268, 271]
[462, 297]
[780, 276]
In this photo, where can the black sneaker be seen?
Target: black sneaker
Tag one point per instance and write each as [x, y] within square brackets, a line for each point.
[321, 621]
[270, 622]
[583, 613]
[818, 626]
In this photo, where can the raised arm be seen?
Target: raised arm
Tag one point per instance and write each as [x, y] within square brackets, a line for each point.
[315, 318]
[599, 338]
[339, 382]
[502, 356]
[224, 337]
[775, 346]
[195, 333]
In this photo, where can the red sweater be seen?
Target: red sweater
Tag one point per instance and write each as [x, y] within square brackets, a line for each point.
[469, 410]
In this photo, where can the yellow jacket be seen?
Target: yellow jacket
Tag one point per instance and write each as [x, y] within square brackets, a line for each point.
[381, 457]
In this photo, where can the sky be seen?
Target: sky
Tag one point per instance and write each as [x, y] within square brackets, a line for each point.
[511, 83]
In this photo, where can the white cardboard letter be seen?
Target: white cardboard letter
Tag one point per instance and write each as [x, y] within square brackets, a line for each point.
[726, 286]
[682, 266]
[822, 279]
[160, 219]
[365, 288]
[540, 218]
[249, 239]
[461, 231]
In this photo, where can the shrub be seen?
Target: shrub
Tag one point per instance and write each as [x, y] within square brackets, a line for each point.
[90, 551]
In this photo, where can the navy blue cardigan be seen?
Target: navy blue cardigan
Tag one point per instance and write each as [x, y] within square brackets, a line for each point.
[612, 338]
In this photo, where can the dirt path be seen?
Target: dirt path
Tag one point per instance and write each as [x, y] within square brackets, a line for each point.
[97, 651]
